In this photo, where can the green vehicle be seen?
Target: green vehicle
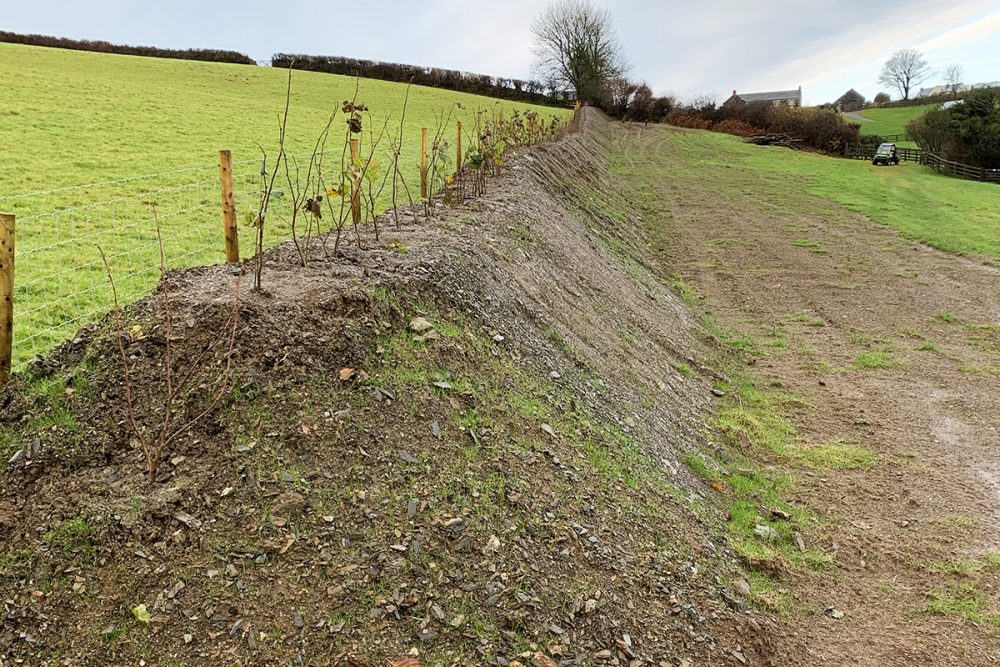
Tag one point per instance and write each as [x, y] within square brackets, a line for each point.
[886, 154]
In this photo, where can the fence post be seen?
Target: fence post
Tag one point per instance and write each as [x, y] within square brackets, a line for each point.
[423, 163]
[458, 146]
[229, 207]
[6, 296]
[355, 185]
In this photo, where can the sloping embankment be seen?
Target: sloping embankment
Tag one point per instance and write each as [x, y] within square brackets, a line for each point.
[505, 488]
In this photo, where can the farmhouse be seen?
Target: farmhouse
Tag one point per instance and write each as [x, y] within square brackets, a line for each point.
[930, 91]
[852, 100]
[790, 97]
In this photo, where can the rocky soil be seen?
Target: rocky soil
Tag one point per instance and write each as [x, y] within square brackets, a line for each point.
[462, 444]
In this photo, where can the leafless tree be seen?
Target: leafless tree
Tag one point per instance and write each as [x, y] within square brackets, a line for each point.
[953, 74]
[904, 70]
[618, 93]
[575, 46]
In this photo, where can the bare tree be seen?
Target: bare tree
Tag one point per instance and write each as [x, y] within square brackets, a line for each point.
[618, 93]
[576, 47]
[953, 75]
[905, 69]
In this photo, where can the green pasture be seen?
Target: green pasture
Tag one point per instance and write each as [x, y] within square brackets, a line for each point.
[71, 118]
[947, 213]
[891, 120]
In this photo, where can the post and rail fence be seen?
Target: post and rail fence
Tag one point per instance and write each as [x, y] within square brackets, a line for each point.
[930, 160]
[896, 138]
[960, 170]
[859, 152]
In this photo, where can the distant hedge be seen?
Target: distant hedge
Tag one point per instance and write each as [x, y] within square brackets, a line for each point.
[822, 129]
[921, 101]
[479, 84]
[212, 55]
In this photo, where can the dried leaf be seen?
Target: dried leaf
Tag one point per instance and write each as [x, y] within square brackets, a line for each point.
[405, 661]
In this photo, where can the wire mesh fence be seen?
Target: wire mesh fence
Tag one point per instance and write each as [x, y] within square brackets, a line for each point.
[61, 282]
[65, 235]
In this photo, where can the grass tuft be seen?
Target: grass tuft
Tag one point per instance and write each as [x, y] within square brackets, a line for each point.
[876, 360]
[963, 601]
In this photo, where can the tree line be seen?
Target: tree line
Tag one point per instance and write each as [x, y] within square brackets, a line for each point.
[529, 91]
[519, 90]
[822, 129]
[211, 55]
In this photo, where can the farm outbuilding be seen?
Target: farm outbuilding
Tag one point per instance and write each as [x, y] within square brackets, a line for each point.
[852, 100]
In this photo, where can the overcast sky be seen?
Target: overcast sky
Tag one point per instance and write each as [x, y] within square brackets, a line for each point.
[826, 46]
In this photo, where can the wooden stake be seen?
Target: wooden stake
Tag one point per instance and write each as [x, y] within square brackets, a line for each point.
[458, 146]
[229, 207]
[6, 296]
[355, 184]
[423, 163]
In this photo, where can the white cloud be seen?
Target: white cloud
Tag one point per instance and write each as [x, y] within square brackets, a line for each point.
[689, 48]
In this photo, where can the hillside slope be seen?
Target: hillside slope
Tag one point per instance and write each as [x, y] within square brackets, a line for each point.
[115, 116]
[463, 443]
[889, 120]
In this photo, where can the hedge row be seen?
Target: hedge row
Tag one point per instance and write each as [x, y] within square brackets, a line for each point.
[920, 101]
[967, 132]
[822, 129]
[479, 84]
[213, 55]
[621, 98]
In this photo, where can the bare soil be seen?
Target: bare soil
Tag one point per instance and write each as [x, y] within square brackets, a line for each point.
[816, 286]
[505, 487]
[509, 486]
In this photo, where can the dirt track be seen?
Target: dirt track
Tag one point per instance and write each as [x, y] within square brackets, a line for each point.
[816, 285]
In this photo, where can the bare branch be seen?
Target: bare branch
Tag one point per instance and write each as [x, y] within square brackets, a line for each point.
[904, 70]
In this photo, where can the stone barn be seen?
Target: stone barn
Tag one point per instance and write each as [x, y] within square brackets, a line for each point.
[852, 100]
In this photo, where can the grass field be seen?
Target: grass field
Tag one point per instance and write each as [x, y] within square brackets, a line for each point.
[946, 213]
[891, 120]
[69, 118]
